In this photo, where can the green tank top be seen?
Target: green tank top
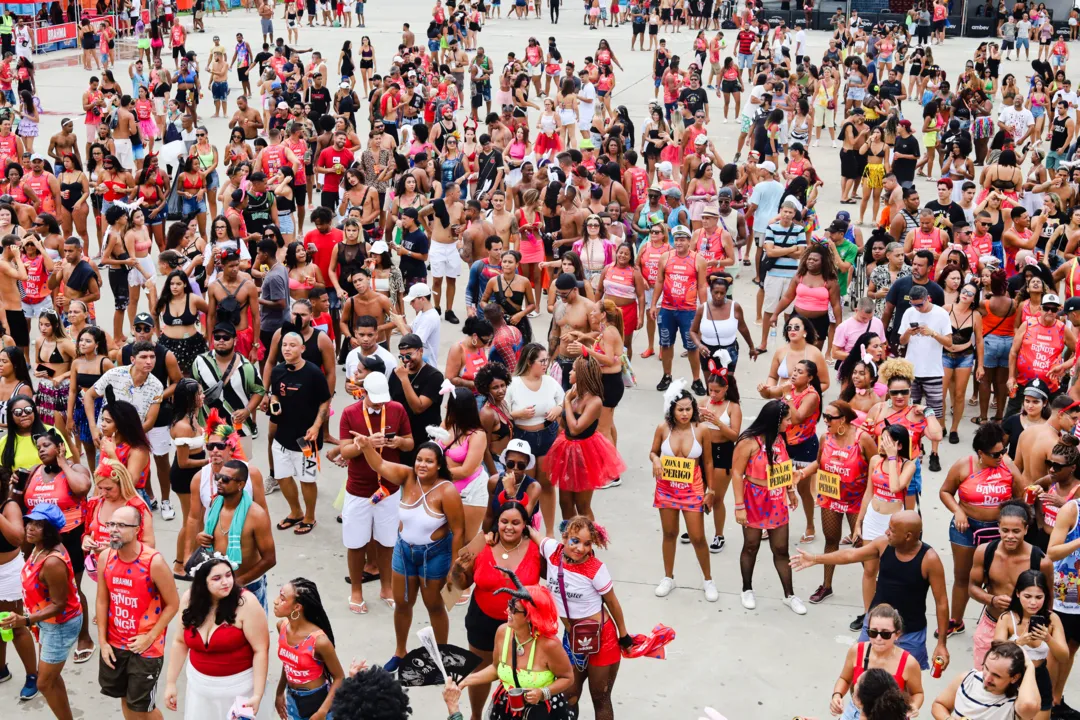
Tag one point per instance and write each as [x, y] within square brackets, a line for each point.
[530, 679]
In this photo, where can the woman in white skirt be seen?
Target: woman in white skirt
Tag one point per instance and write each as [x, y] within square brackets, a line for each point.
[226, 641]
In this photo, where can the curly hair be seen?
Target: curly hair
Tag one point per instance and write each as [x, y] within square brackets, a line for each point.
[486, 375]
[896, 368]
[580, 522]
[371, 694]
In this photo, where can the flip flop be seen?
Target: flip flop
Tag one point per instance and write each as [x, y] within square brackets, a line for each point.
[288, 523]
[972, 402]
[978, 420]
[82, 656]
[389, 602]
[807, 539]
[368, 577]
[846, 540]
[303, 528]
[464, 599]
[359, 608]
[648, 353]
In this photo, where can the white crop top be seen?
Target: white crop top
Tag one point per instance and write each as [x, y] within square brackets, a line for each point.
[584, 583]
[519, 396]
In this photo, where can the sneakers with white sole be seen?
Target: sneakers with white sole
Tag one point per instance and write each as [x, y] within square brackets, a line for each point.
[748, 600]
[711, 593]
[717, 544]
[167, 512]
[795, 604]
[665, 587]
[270, 485]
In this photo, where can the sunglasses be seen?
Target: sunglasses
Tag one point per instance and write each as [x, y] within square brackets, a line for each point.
[517, 464]
[995, 455]
[216, 446]
[222, 337]
[883, 634]
[829, 418]
[899, 393]
[22, 412]
[1056, 466]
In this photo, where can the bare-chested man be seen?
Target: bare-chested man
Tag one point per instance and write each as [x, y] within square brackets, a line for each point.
[571, 219]
[528, 182]
[505, 222]
[219, 83]
[500, 132]
[64, 143]
[247, 119]
[229, 298]
[79, 278]
[477, 231]
[366, 301]
[571, 323]
[408, 38]
[612, 190]
[126, 126]
[12, 271]
[1037, 441]
[446, 242]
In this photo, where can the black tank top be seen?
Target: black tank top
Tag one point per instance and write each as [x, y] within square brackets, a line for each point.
[902, 585]
[1059, 133]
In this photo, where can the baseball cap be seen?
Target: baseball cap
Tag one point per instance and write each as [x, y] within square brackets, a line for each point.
[1051, 299]
[837, 226]
[1072, 304]
[673, 192]
[378, 389]
[565, 281]
[344, 86]
[664, 168]
[283, 106]
[47, 512]
[905, 124]
[700, 140]
[379, 247]
[725, 193]
[37, 156]
[768, 166]
[225, 327]
[410, 341]
[143, 319]
[844, 215]
[411, 213]
[419, 290]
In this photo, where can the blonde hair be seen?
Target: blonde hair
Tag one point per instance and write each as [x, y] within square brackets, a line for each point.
[613, 316]
[896, 368]
[109, 469]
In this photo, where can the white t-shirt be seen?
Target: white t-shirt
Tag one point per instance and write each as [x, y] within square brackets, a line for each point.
[1069, 97]
[352, 360]
[426, 325]
[586, 110]
[800, 42]
[924, 351]
[1018, 121]
[584, 583]
[749, 108]
[519, 397]
[1023, 30]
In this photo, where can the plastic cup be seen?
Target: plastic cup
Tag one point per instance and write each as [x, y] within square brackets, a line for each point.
[517, 699]
[6, 634]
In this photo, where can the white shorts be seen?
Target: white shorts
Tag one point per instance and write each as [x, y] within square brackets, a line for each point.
[124, 154]
[475, 493]
[139, 278]
[361, 521]
[292, 463]
[159, 105]
[10, 580]
[445, 260]
[34, 310]
[534, 70]
[160, 441]
[775, 287]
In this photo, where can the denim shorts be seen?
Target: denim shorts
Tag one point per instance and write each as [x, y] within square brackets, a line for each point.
[671, 320]
[914, 642]
[539, 440]
[286, 224]
[193, 206]
[258, 589]
[57, 639]
[427, 562]
[958, 361]
[219, 90]
[1023, 43]
[996, 351]
[292, 709]
[746, 61]
[967, 538]
[915, 486]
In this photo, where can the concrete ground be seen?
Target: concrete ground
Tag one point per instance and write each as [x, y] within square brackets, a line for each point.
[764, 664]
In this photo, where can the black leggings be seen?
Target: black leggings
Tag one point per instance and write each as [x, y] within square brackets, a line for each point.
[778, 541]
[554, 11]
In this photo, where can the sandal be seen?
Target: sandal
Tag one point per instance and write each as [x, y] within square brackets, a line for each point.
[846, 540]
[84, 655]
[303, 528]
[358, 608]
[389, 602]
[807, 539]
[978, 420]
[972, 402]
[289, 522]
[648, 353]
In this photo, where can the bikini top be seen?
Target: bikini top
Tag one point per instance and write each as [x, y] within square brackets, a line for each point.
[183, 319]
[695, 450]
[55, 358]
[525, 678]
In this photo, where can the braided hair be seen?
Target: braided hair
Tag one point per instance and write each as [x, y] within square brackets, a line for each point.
[307, 597]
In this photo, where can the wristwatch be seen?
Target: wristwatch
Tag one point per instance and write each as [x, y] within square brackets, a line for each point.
[929, 412]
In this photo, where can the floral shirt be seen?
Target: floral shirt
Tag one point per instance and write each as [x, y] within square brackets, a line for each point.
[882, 280]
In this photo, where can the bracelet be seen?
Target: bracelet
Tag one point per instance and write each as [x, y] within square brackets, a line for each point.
[740, 506]
[547, 693]
[838, 693]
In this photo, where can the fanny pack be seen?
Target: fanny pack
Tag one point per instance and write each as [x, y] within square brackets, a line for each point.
[584, 634]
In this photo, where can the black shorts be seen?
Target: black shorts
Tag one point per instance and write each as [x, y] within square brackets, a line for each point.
[242, 74]
[665, 14]
[118, 282]
[722, 454]
[178, 51]
[329, 199]
[613, 389]
[851, 164]
[821, 324]
[1070, 623]
[132, 677]
[939, 25]
[730, 86]
[480, 628]
[639, 29]
[73, 544]
[17, 327]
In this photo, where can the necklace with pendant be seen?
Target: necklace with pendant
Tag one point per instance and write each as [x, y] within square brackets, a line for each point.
[521, 646]
[507, 551]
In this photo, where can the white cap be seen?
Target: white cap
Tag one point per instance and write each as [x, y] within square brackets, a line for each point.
[419, 290]
[378, 389]
[664, 167]
[519, 446]
[681, 230]
[1051, 299]
[283, 106]
[700, 140]
[345, 86]
[768, 166]
[379, 247]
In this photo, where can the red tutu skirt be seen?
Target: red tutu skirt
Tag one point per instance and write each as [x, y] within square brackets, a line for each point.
[582, 465]
[545, 144]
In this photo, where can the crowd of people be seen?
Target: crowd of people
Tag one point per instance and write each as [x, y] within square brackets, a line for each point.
[327, 232]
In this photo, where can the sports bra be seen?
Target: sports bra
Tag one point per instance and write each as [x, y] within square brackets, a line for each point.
[528, 678]
[418, 521]
[458, 453]
[295, 284]
[183, 319]
[988, 487]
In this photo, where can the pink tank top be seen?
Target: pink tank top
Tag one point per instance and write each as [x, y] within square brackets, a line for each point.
[814, 299]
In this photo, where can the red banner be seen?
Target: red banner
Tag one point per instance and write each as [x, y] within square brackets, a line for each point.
[55, 33]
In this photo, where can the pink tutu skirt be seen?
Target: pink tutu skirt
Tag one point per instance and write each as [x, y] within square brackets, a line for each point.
[582, 465]
[148, 129]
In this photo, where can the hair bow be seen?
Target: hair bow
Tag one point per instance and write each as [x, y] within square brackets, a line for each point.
[866, 357]
[860, 391]
[446, 388]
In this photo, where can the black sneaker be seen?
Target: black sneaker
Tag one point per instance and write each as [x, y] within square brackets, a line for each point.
[685, 538]
[736, 158]
[664, 384]
[856, 624]
[698, 387]
[717, 544]
[935, 463]
[451, 317]
[954, 438]
[1061, 711]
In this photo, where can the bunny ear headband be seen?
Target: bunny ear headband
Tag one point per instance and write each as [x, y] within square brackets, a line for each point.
[725, 362]
[446, 388]
[439, 434]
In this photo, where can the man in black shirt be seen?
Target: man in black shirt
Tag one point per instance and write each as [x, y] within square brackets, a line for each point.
[694, 98]
[416, 384]
[893, 88]
[413, 248]
[898, 301]
[490, 166]
[319, 97]
[946, 212]
[263, 57]
[905, 154]
[299, 403]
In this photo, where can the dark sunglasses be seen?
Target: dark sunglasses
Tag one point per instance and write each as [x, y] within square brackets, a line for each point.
[517, 464]
[995, 455]
[899, 393]
[1056, 466]
[222, 337]
[829, 418]
[217, 446]
[883, 634]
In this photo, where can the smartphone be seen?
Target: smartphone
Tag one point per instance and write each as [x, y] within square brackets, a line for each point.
[390, 436]
[275, 406]
[1038, 621]
[914, 326]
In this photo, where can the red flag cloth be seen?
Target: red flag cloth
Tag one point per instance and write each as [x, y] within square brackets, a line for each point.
[651, 645]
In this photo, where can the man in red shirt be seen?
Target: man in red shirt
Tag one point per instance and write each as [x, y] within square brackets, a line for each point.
[332, 163]
[324, 237]
[744, 42]
[369, 525]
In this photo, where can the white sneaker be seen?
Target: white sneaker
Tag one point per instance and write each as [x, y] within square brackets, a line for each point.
[665, 587]
[534, 314]
[711, 593]
[167, 512]
[817, 143]
[836, 143]
[270, 485]
[795, 604]
[748, 600]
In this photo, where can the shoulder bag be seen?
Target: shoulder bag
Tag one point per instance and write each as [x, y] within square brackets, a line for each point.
[584, 634]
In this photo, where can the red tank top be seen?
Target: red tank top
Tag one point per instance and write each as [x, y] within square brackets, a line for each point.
[144, 110]
[711, 247]
[94, 528]
[758, 467]
[134, 600]
[472, 362]
[299, 149]
[862, 664]
[650, 260]
[880, 480]
[227, 653]
[40, 185]
[1010, 253]
[801, 432]
[619, 282]
[680, 283]
[1040, 351]
[915, 429]
[123, 451]
[299, 661]
[988, 487]
[927, 241]
[9, 150]
[34, 286]
[36, 592]
[40, 490]
[637, 186]
[1050, 512]
[488, 580]
[849, 464]
[273, 159]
